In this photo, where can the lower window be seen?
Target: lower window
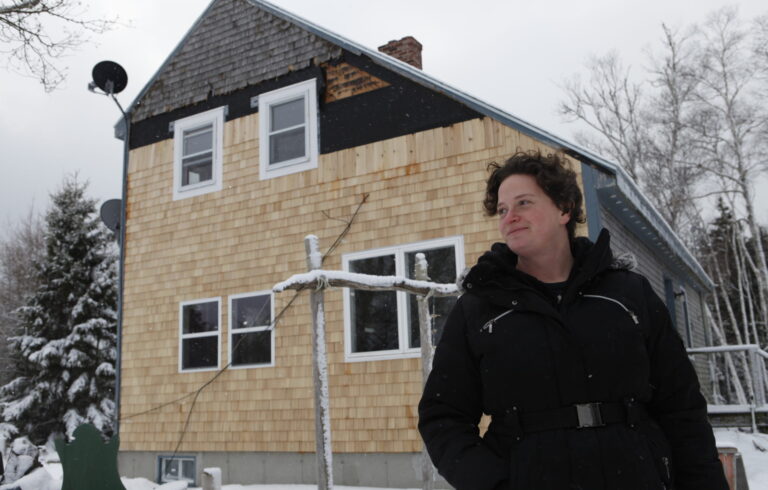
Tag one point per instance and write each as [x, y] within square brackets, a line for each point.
[385, 324]
[251, 335]
[199, 325]
[177, 468]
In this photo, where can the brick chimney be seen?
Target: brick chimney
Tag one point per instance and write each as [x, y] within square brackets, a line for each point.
[406, 49]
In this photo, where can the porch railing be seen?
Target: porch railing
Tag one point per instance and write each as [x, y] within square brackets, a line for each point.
[738, 379]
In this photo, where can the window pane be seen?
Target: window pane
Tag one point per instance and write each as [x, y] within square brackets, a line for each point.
[253, 311]
[188, 470]
[196, 169]
[441, 267]
[198, 140]
[200, 352]
[287, 114]
[383, 265]
[200, 317]
[286, 146]
[374, 318]
[374, 313]
[170, 469]
[252, 348]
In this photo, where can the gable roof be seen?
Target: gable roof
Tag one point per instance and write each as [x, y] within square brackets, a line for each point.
[230, 46]
[314, 43]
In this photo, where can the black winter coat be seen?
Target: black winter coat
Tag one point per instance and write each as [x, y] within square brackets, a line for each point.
[508, 348]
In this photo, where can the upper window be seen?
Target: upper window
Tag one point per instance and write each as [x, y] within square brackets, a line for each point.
[197, 147]
[385, 324]
[199, 340]
[251, 338]
[288, 130]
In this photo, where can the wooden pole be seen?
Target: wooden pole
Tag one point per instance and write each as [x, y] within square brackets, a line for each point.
[320, 371]
[425, 336]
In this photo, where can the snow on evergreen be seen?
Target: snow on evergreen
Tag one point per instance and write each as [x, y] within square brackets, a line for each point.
[66, 369]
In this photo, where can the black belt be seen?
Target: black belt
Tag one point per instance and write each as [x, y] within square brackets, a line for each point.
[579, 416]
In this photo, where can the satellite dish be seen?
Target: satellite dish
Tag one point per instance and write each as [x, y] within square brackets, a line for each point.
[109, 77]
[110, 214]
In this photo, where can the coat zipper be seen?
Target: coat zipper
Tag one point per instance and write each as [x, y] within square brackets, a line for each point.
[631, 313]
[489, 324]
[665, 460]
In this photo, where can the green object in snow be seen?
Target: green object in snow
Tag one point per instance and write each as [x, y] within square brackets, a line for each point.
[89, 463]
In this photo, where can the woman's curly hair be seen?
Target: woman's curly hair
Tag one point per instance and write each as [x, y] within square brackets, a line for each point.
[552, 175]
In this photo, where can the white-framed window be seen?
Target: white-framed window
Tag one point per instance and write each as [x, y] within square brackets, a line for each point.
[251, 336]
[385, 324]
[288, 130]
[199, 334]
[176, 468]
[197, 149]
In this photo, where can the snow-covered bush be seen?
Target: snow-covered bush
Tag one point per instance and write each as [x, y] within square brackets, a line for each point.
[22, 456]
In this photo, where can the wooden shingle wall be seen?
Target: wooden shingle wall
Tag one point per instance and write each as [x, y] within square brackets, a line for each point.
[249, 236]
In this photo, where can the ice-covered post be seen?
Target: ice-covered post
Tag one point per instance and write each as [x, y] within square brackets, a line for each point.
[320, 371]
[425, 336]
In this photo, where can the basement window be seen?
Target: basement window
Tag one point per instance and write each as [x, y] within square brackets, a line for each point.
[199, 322]
[177, 468]
[251, 334]
[385, 324]
[288, 130]
[197, 148]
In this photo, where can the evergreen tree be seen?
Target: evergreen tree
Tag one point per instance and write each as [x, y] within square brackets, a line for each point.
[67, 348]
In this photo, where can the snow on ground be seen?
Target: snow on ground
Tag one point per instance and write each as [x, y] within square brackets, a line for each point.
[753, 449]
[40, 479]
[143, 484]
[299, 487]
[754, 453]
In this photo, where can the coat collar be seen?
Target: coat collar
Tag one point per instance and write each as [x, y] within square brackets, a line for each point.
[497, 267]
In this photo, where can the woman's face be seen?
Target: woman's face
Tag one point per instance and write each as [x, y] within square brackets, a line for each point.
[529, 221]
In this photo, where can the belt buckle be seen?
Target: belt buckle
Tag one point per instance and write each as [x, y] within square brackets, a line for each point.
[588, 415]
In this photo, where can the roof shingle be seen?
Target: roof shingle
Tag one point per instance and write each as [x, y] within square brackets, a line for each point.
[235, 44]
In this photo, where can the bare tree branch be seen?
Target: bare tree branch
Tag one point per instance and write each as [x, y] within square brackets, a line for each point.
[26, 36]
[608, 105]
[697, 129]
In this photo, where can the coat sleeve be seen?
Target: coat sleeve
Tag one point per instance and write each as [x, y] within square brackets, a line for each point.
[678, 405]
[450, 410]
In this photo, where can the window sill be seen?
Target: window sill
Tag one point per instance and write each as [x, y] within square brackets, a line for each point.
[382, 356]
[281, 169]
[252, 366]
[199, 370]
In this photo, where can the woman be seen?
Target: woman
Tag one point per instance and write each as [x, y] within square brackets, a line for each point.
[573, 356]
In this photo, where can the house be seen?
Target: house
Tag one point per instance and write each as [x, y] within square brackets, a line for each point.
[261, 128]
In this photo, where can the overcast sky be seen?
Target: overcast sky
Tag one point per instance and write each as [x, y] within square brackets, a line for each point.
[510, 53]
